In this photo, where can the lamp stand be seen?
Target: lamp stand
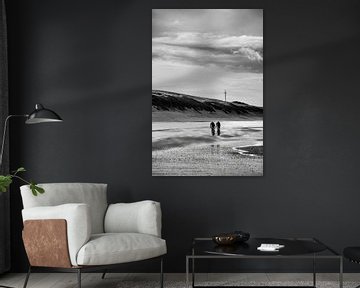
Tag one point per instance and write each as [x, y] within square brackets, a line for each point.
[4, 135]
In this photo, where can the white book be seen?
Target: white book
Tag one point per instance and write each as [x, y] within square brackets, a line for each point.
[270, 247]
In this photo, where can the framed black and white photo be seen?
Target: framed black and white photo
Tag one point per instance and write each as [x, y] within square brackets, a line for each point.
[207, 92]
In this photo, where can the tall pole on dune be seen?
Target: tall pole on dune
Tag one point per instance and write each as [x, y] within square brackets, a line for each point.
[225, 95]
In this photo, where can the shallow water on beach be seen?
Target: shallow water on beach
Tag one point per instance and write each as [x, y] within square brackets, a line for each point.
[189, 149]
[168, 135]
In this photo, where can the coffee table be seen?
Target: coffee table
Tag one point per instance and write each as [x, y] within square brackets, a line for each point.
[295, 248]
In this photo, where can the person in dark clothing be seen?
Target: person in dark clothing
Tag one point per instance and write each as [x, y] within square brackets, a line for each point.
[218, 125]
[212, 126]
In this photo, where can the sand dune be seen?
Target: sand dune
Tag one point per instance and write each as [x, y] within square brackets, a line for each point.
[171, 106]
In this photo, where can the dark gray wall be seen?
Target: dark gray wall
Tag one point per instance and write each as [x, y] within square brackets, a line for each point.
[91, 61]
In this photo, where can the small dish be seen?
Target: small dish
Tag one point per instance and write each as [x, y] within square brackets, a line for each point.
[225, 239]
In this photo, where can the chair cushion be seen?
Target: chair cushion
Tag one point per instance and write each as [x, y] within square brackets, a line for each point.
[352, 253]
[55, 194]
[138, 217]
[114, 248]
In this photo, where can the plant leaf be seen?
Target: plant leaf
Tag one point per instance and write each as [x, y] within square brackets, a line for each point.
[5, 182]
[20, 169]
[39, 189]
[32, 187]
[36, 189]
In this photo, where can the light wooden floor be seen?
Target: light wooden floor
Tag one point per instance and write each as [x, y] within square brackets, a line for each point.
[113, 280]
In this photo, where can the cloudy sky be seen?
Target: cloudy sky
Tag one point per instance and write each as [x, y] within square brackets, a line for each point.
[203, 52]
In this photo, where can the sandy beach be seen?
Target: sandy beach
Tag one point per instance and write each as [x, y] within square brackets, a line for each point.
[189, 149]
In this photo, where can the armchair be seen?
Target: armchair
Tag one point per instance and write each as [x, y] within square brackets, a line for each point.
[71, 228]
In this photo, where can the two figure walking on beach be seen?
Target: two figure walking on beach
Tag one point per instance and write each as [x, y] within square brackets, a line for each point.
[212, 127]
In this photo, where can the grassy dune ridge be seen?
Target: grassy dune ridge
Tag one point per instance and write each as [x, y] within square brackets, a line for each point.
[171, 106]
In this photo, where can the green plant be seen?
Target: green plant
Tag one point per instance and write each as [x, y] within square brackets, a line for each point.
[6, 180]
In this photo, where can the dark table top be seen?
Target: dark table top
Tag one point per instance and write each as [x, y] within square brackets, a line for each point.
[293, 247]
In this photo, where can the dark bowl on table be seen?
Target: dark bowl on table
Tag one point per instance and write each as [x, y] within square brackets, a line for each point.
[231, 238]
[225, 239]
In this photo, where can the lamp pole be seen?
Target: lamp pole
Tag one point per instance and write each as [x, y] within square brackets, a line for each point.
[2, 152]
[4, 133]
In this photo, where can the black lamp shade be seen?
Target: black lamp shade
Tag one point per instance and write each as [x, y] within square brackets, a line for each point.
[42, 115]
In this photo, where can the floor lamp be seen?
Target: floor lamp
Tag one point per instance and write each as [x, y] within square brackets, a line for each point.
[39, 115]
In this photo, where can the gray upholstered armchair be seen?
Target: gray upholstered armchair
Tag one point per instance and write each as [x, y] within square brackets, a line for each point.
[72, 228]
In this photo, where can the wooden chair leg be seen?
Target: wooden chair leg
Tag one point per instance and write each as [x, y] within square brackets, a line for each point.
[27, 277]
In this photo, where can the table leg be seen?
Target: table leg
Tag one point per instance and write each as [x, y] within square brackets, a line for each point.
[193, 272]
[193, 267]
[187, 272]
[341, 273]
[314, 271]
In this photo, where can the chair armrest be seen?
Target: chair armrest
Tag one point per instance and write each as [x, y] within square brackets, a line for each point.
[138, 217]
[77, 218]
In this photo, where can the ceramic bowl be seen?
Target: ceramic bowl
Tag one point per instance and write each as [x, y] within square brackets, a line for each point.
[225, 239]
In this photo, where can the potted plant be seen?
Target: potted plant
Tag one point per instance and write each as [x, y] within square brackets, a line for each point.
[6, 180]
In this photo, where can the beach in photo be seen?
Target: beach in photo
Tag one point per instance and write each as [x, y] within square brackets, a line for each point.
[188, 149]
